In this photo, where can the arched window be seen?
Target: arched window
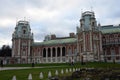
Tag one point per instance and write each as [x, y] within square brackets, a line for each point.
[63, 51]
[49, 52]
[53, 52]
[24, 31]
[58, 51]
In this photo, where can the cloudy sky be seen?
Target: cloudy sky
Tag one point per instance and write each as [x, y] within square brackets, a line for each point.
[58, 17]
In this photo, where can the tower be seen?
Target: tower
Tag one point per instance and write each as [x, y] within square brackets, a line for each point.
[21, 42]
[89, 43]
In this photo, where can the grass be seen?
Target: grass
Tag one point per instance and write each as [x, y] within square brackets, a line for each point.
[23, 74]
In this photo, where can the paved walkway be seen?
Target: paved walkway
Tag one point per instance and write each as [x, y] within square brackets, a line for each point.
[14, 68]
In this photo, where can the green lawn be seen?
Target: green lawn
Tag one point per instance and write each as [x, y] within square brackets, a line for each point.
[23, 74]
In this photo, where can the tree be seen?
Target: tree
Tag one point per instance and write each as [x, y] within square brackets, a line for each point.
[5, 51]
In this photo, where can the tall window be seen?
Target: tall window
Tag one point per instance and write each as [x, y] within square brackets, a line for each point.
[24, 31]
[23, 52]
[93, 24]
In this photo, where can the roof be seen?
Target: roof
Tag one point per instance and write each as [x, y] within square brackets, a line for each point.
[55, 42]
[110, 29]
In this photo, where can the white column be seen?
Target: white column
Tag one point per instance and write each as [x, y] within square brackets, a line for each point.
[51, 55]
[101, 51]
[29, 48]
[56, 55]
[98, 50]
[28, 51]
[46, 55]
[78, 47]
[84, 41]
[19, 47]
[13, 48]
[91, 41]
[60, 54]
[41, 56]
[19, 60]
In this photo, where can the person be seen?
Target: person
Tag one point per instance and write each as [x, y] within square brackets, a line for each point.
[33, 64]
[1, 63]
[114, 61]
[82, 63]
[72, 62]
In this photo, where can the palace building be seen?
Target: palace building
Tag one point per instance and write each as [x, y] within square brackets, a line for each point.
[92, 42]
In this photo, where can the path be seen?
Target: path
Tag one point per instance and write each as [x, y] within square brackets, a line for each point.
[15, 68]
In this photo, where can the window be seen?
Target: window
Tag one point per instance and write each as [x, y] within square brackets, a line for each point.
[93, 23]
[24, 31]
[117, 58]
[24, 52]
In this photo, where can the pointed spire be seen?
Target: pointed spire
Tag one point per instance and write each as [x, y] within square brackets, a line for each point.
[99, 24]
[91, 9]
[24, 18]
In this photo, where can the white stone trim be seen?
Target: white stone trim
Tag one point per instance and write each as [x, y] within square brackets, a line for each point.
[56, 54]
[51, 55]
[60, 54]
[28, 48]
[91, 41]
[19, 47]
[46, 55]
[84, 41]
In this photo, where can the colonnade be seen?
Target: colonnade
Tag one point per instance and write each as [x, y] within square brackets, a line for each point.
[54, 54]
[112, 53]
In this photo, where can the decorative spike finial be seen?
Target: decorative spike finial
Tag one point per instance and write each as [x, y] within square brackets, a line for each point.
[24, 18]
[91, 9]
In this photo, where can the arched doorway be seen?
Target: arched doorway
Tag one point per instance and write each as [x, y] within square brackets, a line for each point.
[58, 52]
[63, 51]
[49, 52]
[44, 52]
[53, 50]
